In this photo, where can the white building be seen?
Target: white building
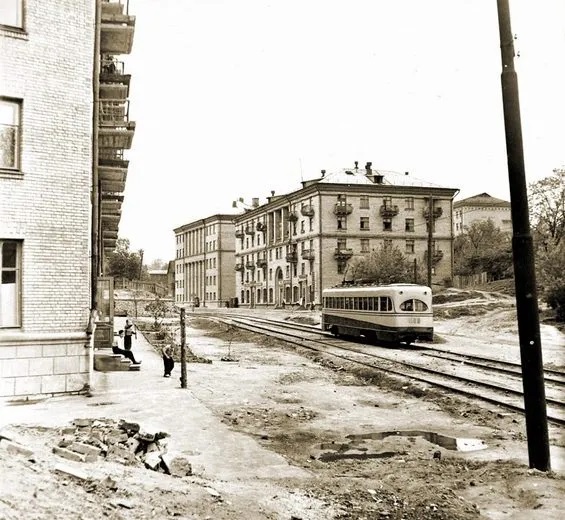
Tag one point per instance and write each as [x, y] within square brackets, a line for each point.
[296, 244]
[479, 208]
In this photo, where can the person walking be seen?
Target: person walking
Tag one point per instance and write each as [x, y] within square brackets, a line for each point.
[129, 331]
[116, 349]
[168, 360]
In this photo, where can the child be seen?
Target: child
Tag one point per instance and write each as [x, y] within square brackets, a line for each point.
[168, 361]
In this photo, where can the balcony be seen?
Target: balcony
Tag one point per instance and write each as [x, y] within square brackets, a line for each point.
[239, 266]
[436, 212]
[437, 255]
[239, 233]
[342, 253]
[292, 257]
[342, 208]
[116, 27]
[112, 73]
[112, 179]
[307, 210]
[307, 254]
[388, 211]
[292, 216]
[261, 263]
[114, 128]
[250, 265]
[249, 230]
[261, 226]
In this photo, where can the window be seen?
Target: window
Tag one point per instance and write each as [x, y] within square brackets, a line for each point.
[364, 245]
[11, 13]
[410, 246]
[341, 223]
[387, 243]
[413, 306]
[10, 133]
[341, 244]
[409, 226]
[364, 202]
[364, 223]
[409, 203]
[302, 226]
[387, 224]
[311, 223]
[10, 283]
[387, 202]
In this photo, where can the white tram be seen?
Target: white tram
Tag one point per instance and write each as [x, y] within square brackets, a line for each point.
[399, 313]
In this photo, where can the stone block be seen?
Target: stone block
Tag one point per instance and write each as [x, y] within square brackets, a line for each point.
[86, 449]
[65, 365]
[28, 385]
[129, 426]
[72, 472]
[132, 444]
[53, 384]
[118, 452]
[68, 454]
[176, 465]
[82, 422]
[152, 460]
[16, 449]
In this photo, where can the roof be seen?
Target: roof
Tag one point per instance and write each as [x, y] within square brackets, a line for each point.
[154, 272]
[359, 176]
[482, 199]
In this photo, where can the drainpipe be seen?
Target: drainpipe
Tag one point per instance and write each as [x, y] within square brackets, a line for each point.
[95, 201]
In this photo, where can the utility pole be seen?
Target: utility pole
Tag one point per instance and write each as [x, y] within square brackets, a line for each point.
[182, 348]
[430, 238]
[523, 256]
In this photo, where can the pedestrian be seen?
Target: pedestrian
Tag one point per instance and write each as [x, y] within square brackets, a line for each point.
[129, 331]
[116, 349]
[168, 360]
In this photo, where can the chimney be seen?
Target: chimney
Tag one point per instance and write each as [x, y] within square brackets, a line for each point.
[406, 173]
[255, 202]
[368, 170]
[323, 173]
[356, 165]
[272, 193]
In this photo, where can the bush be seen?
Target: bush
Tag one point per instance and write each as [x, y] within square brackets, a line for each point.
[555, 298]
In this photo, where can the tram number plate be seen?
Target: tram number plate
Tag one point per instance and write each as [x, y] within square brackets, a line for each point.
[413, 320]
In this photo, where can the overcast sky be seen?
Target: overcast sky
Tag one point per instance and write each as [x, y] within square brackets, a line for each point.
[237, 98]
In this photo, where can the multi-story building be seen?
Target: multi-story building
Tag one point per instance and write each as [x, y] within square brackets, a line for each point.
[204, 273]
[291, 248]
[479, 208]
[55, 205]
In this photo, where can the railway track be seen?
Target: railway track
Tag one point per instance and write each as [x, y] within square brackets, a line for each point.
[488, 379]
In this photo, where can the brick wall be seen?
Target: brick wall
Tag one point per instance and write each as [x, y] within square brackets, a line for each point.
[47, 206]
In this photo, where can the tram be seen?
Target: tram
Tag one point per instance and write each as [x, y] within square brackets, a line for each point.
[395, 313]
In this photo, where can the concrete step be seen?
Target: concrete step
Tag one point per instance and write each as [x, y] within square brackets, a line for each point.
[110, 362]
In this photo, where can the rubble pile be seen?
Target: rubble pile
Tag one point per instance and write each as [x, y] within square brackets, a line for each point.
[125, 442]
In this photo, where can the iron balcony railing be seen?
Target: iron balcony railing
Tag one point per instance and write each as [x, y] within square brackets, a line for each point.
[343, 252]
[307, 254]
[386, 210]
[292, 257]
[342, 208]
[113, 112]
[307, 210]
[436, 212]
[109, 66]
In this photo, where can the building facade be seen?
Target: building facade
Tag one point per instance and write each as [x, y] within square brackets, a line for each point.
[52, 210]
[291, 248]
[480, 208]
[205, 251]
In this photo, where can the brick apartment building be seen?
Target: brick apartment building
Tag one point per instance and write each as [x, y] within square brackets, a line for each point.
[56, 204]
[204, 261]
[291, 248]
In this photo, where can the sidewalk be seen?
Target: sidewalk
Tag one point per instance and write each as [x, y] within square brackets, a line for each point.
[159, 404]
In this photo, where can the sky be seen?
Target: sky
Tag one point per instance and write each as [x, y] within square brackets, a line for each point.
[240, 98]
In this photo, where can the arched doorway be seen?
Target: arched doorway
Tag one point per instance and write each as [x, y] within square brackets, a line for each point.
[279, 287]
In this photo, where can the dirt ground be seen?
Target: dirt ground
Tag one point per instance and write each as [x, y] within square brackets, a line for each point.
[360, 444]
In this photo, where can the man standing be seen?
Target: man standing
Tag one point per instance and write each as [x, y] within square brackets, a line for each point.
[129, 331]
[168, 360]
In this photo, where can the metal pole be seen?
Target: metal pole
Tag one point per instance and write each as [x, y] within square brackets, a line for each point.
[430, 237]
[523, 256]
[415, 270]
[182, 348]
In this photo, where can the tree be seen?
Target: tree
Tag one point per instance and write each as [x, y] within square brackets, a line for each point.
[122, 263]
[483, 248]
[381, 266]
[158, 309]
[547, 209]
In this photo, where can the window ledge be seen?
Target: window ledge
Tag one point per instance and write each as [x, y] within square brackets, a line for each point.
[13, 32]
[11, 174]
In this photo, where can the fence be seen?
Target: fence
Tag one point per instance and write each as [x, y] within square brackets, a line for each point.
[461, 282]
[136, 285]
